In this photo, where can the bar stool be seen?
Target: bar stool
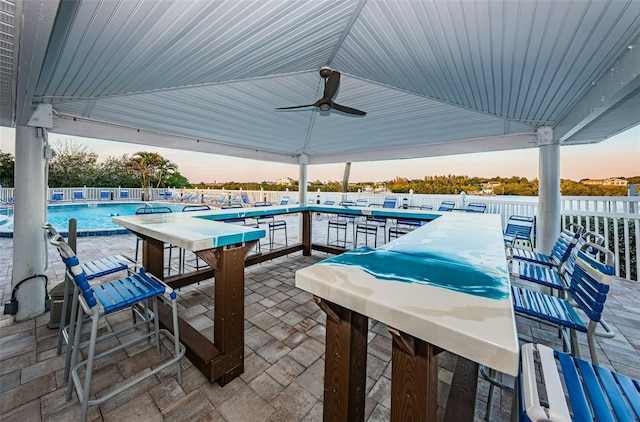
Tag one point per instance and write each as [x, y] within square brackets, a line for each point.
[274, 226]
[339, 227]
[395, 232]
[366, 230]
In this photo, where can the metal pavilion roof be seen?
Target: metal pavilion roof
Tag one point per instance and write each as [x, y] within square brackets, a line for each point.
[435, 77]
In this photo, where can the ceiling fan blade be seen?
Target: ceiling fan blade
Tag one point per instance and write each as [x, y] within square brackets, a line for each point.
[349, 110]
[331, 85]
[289, 108]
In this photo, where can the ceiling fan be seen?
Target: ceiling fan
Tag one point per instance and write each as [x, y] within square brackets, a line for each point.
[331, 83]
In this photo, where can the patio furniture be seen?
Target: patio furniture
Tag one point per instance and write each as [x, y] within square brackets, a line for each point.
[388, 285]
[476, 207]
[245, 198]
[361, 202]
[588, 288]
[157, 210]
[98, 301]
[78, 195]
[105, 194]
[57, 196]
[518, 231]
[559, 253]
[224, 248]
[367, 230]
[195, 260]
[284, 201]
[124, 194]
[93, 270]
[579, 391]
[426, 207]
[340, 228]
[447, 206]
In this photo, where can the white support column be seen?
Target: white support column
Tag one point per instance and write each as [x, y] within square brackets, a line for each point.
[548, 225]
[29, 247]
[302, 179]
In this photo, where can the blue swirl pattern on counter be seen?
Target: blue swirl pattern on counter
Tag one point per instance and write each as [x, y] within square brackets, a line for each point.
[425, 268]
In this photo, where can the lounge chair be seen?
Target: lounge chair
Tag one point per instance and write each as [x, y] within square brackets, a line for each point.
[105, 194]
[284, 201]
[447, 206]
[98, 301]
[362, 202]
[57, 196]
[245, 198]
[476, 207]
[124, 194]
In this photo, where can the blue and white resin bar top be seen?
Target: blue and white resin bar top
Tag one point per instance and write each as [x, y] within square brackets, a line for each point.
[186, 230]
[446, 283]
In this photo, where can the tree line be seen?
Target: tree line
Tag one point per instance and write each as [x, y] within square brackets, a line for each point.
[74, 165]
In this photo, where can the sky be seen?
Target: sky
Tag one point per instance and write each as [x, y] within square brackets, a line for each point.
[618, 156]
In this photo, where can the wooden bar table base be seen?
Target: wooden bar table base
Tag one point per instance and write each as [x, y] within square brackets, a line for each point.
[414, 378]
[222, 360]
[345, 369]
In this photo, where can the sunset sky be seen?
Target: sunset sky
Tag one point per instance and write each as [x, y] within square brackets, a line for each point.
[617, 156]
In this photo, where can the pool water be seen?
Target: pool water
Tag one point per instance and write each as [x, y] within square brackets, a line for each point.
[93, 218]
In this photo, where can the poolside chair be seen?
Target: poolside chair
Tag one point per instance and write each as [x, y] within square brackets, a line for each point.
[362, 202]
[105, 194]
[447, 206]
[579, 391]
[476, 207]
[245, 198]
[588, 288]
[426, 207]
[57, 196]
[284, 201]
[518, 231]
[124, 194]
[98, 301]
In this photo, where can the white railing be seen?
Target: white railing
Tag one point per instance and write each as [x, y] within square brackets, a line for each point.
[614, 217]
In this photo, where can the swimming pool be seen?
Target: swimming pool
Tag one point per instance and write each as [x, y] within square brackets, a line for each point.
[94, 219]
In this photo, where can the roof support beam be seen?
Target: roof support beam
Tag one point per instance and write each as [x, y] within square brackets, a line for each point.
[102, 130]
[622, 78]
[467, 146]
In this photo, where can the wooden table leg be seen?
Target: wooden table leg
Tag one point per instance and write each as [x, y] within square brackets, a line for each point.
[222, 360]
[414, 378]
[345, 363]
[153, 256]
[306, 233]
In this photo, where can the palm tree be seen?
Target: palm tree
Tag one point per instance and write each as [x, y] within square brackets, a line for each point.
[165, 169]
[145, 165]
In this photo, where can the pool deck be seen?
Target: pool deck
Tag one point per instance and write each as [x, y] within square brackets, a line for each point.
[284, 353]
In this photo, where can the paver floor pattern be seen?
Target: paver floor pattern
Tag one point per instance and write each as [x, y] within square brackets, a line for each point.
[284, 353]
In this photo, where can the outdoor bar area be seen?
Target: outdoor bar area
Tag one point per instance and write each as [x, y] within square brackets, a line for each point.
[301, 308]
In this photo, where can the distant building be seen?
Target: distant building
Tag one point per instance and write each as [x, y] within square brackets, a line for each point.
[287, 181]
[611, 181]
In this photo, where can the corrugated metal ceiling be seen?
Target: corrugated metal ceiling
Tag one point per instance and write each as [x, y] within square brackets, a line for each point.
[426, 72]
